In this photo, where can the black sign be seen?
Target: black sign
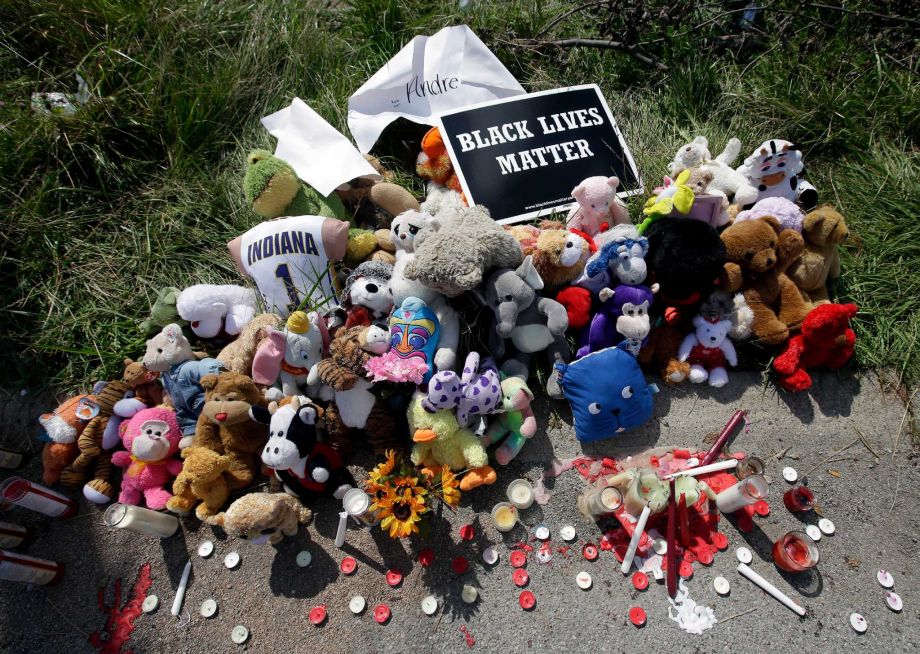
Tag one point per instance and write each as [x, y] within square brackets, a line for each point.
[521, 156]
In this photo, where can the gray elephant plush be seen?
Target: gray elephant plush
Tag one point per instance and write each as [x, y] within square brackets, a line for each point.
[532, 323]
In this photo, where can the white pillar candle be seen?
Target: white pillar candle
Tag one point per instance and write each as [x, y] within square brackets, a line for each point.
[769, 588]
[180, 591]
[634, 542]
[702, 470]
[343, 527]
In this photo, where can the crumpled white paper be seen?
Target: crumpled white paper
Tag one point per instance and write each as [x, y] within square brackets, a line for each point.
[431, 74]
[320, 155]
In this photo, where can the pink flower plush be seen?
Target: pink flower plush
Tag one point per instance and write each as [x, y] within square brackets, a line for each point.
[151, 439]
[390, 367]
[598, 208]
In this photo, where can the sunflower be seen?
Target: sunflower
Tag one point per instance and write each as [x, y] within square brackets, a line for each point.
[450, 491]
[401, 511]
[377, 478]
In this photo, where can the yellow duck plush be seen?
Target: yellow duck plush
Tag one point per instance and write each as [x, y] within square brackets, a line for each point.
[441, 441]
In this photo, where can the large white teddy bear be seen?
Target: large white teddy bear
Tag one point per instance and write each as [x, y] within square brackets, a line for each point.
[210, 308]
[725, 179]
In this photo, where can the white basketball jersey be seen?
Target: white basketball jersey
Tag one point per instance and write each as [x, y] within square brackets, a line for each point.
[287, 260]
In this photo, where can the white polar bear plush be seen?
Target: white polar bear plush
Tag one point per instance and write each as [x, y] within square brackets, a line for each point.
[708, 350]
[210, 308]
[404, 228]
[725, 179]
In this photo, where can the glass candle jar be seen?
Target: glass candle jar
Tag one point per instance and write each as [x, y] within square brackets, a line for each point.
[520, 493]
[357, 504]
[12, 535]
[745, 492]
[29, 570]
[799, 499]
[141, 520]
[750, 466]
[504, 515]
[36, 497]
[597, 502]
[795, 552]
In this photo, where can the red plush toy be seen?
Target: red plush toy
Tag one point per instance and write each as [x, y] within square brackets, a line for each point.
[826, 340]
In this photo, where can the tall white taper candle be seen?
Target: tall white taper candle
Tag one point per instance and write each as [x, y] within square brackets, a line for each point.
[634, 542]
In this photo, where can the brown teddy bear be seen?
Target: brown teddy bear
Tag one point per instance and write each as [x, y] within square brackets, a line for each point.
[263, 517]
[758, 252]
[238, 355]
[226, 427]
[824, 229]
[143, 382]
[203, 478]
[355, 406]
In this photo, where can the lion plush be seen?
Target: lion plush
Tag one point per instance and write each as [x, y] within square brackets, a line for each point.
[758, 253]
[263, 517]
[824, 229]
[226, 427]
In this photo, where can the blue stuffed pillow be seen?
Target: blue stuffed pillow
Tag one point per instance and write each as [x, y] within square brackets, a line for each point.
[608, 393]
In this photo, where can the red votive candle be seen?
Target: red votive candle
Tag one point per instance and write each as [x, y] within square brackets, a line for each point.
[795, 552]
[798, 499]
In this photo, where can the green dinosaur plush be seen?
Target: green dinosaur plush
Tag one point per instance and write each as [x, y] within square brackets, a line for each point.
[163, 312]
[273, 189]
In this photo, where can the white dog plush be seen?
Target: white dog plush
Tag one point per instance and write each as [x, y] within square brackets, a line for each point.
[211, 308]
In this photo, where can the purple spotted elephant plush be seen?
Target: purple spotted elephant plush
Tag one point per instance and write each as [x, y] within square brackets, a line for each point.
[476, 392]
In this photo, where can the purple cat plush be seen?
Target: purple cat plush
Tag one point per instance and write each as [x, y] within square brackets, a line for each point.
[622, 315]
[474, 393]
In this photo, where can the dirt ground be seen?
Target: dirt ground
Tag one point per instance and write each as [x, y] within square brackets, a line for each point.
[871, 499]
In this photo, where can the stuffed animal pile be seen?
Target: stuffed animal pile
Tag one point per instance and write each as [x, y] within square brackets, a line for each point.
[344, 331]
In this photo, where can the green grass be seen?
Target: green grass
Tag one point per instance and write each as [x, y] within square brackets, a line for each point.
[142, 188]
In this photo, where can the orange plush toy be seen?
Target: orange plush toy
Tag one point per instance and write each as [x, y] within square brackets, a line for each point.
[434, 164]
[63, 428]
[826, 340]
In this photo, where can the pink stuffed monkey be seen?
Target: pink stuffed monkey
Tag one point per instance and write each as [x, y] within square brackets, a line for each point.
[598, 208]
[151, 438]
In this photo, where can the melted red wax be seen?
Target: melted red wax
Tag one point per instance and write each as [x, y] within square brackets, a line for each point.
[120, 622]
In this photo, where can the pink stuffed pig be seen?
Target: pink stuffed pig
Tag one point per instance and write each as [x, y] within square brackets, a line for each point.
[151, 438]
[598, 208]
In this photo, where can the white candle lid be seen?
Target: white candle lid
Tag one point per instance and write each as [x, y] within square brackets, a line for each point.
[567, 533]
[813, 532]
[826, 526]
[151, 602]
[858, 622]
[429, 605]
[205, 549]
[490, 556]
[541, 531]
[894, 601]
[721, 585]
[232, 560]
[790, 474]
[583, 579]
[744, 555]
[544, 555]
[357, 604]
[304, 558]
[660, 545]
[239, 635]
[469, 594]
[208, 608]
[885, 579]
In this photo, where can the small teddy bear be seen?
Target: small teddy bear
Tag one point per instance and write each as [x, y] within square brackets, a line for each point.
[725, 179]
[598, 206]
[151, 439]
[824, 229]
[707, 349]
[263, 517]
[203, 479]
[215, 309]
